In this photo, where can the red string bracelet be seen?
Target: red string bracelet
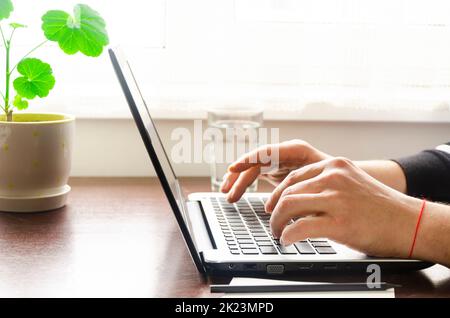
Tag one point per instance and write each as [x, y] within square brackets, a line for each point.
[422, 209]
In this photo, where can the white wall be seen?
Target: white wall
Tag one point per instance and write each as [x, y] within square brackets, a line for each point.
[112, 147]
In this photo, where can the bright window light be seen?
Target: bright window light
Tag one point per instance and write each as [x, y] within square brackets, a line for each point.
[287, 54]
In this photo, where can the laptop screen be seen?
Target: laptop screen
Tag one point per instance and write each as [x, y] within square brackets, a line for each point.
[155, 148]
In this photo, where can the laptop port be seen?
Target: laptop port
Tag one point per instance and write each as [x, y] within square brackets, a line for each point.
[305, 266]
[275, 269]
[251, 267]
[330, 267]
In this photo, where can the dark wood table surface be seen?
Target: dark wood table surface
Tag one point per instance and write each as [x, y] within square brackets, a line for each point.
[117, 238]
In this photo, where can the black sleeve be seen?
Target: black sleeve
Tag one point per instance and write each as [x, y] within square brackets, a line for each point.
[428, 174]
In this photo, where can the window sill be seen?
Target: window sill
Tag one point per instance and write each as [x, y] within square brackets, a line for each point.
[320, 114]
[115, 107]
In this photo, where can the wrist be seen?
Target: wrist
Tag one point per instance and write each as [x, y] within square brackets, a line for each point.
[409, 209]
[433, 234]
[386, 171]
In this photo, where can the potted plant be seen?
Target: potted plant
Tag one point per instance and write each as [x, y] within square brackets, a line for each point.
[36, 148]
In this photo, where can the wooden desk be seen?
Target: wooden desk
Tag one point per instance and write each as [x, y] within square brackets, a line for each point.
[117, 238]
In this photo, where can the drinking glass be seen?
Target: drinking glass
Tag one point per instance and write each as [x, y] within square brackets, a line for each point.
[233, 132]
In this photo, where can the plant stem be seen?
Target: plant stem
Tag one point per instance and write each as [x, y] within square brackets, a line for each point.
[11, 36]
[26, 55]
[5, 108]
[8, 79]
[3, 36]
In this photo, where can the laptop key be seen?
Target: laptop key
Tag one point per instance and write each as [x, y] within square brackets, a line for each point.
[268, 250]
[261, 234]
[319, 240]
[244, 241]
[258, 231]
[321, 244]
[240, 232]
[247, 245]
[255, 227]
[262, 239]
[250, 251]
[325, 250]
[304, 248]
[243, 237]
[235, 252]
[287, 250]
[268, 243]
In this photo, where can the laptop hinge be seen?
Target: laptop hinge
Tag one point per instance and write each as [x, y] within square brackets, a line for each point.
[201, 233]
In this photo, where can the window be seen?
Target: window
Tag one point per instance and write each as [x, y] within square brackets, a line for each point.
[85, 86]
[324, 59]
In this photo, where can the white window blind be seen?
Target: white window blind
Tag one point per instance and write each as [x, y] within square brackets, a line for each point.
[293, 56]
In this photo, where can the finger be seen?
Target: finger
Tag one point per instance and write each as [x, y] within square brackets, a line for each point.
[309, 227]
[245, 179]
[311, 186]
[254, 158]
[296, 176]
[228, 180]
[294, 206]
[270, 155]
[269, 179]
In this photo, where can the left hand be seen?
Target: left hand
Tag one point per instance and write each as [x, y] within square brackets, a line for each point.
[335, 199]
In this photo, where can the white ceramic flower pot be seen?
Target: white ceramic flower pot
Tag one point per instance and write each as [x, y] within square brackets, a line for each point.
[35, 161]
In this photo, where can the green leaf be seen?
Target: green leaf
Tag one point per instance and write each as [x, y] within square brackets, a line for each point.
[37, 79]
[84, 32]
[20, 103]
[6, 7]
[15, 25]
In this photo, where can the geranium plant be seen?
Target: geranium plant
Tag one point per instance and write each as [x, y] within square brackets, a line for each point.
[81, 31]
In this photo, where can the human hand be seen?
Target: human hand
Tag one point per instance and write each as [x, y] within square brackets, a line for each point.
[291, 155]
[337, 200]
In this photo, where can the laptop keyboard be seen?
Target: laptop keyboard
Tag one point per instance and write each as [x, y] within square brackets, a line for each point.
[246, 229]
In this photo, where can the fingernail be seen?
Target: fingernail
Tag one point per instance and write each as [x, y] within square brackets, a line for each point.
[225, 185]
[230, 197]
[284, 242]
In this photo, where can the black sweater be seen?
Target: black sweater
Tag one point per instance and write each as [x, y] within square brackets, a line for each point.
[428, 174]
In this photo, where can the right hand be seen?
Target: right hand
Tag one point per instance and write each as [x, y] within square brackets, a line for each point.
[292, 155]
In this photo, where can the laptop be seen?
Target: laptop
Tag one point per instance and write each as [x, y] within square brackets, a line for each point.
[225, 238]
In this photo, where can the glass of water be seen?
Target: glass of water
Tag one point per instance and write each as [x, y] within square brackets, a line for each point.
[233, 131]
